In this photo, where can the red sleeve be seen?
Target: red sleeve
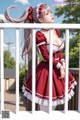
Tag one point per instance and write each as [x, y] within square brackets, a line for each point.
[41, 43]
[61, 56]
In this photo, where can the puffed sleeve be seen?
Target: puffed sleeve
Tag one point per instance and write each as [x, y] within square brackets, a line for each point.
[41, 43]
[61, 56]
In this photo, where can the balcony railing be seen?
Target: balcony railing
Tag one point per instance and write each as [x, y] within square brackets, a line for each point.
[73, 104]
[18, 26]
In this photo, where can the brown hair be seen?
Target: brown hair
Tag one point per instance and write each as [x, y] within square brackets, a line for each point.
[27, 48]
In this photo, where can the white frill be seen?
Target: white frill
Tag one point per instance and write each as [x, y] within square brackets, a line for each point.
[45, 102]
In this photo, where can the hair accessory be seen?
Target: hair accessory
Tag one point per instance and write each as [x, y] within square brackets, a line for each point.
[39, 9]
[30, 11]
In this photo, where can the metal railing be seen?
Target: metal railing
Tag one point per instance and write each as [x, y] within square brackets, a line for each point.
[35, 26]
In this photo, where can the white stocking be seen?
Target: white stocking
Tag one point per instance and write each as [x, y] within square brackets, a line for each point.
[46, 108]
[54, 107]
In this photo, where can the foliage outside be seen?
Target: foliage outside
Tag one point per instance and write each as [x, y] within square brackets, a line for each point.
[71, 15]
[9, 61]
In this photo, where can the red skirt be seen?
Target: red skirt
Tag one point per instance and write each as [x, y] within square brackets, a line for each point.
[42, 86]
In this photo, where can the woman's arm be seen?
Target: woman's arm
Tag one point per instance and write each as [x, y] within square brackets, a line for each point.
[62, 60]
[45, 55]
[41, 44]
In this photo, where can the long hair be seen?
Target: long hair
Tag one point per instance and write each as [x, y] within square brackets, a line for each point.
[27, 48]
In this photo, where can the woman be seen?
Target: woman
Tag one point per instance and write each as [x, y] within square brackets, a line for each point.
[43, 14]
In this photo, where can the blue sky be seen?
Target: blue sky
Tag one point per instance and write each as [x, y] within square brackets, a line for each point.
[6, 3]
[9, 35]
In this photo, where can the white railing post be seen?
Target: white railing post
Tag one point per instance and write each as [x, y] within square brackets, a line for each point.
[17, 71]
[2, 71]
[66, 70]
[32, 26]
[38, 25]
[79, 83]
[50, 72]
[33, 71]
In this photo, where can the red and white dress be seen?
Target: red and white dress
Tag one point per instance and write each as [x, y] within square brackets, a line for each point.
[42, 75]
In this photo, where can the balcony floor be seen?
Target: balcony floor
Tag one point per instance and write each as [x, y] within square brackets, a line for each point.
[40, 115]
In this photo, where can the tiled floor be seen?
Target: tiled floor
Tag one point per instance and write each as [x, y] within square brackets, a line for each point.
[10, 101]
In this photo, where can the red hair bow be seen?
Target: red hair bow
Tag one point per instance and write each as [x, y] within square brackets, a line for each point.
[30, 11]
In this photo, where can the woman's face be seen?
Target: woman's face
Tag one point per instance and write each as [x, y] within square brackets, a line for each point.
[48, 17]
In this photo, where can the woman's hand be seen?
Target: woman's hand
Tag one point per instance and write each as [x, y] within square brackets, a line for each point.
[62, 72]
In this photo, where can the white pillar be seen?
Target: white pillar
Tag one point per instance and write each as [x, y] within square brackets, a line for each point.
[33, 71]
[17, 71]
[66, 70]
[79, 83]
[2, 71]
[50, 72]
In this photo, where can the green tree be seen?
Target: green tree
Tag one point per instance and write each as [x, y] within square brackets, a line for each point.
[74, 58]
[40, 58]
[70, 13]
[74, 42]
[21, 77]
[74, 52]
[9, 61]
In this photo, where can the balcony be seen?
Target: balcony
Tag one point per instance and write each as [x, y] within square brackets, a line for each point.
[73, 103]
[73, 112]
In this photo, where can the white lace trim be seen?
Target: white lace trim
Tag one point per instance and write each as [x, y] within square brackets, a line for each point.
[45, 102]
[62, 60]
[37, 10]
[56, 58]
[41, 43]
[58, 65]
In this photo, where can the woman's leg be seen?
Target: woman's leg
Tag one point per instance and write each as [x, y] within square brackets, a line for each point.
[54, 107]
[46, 108]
